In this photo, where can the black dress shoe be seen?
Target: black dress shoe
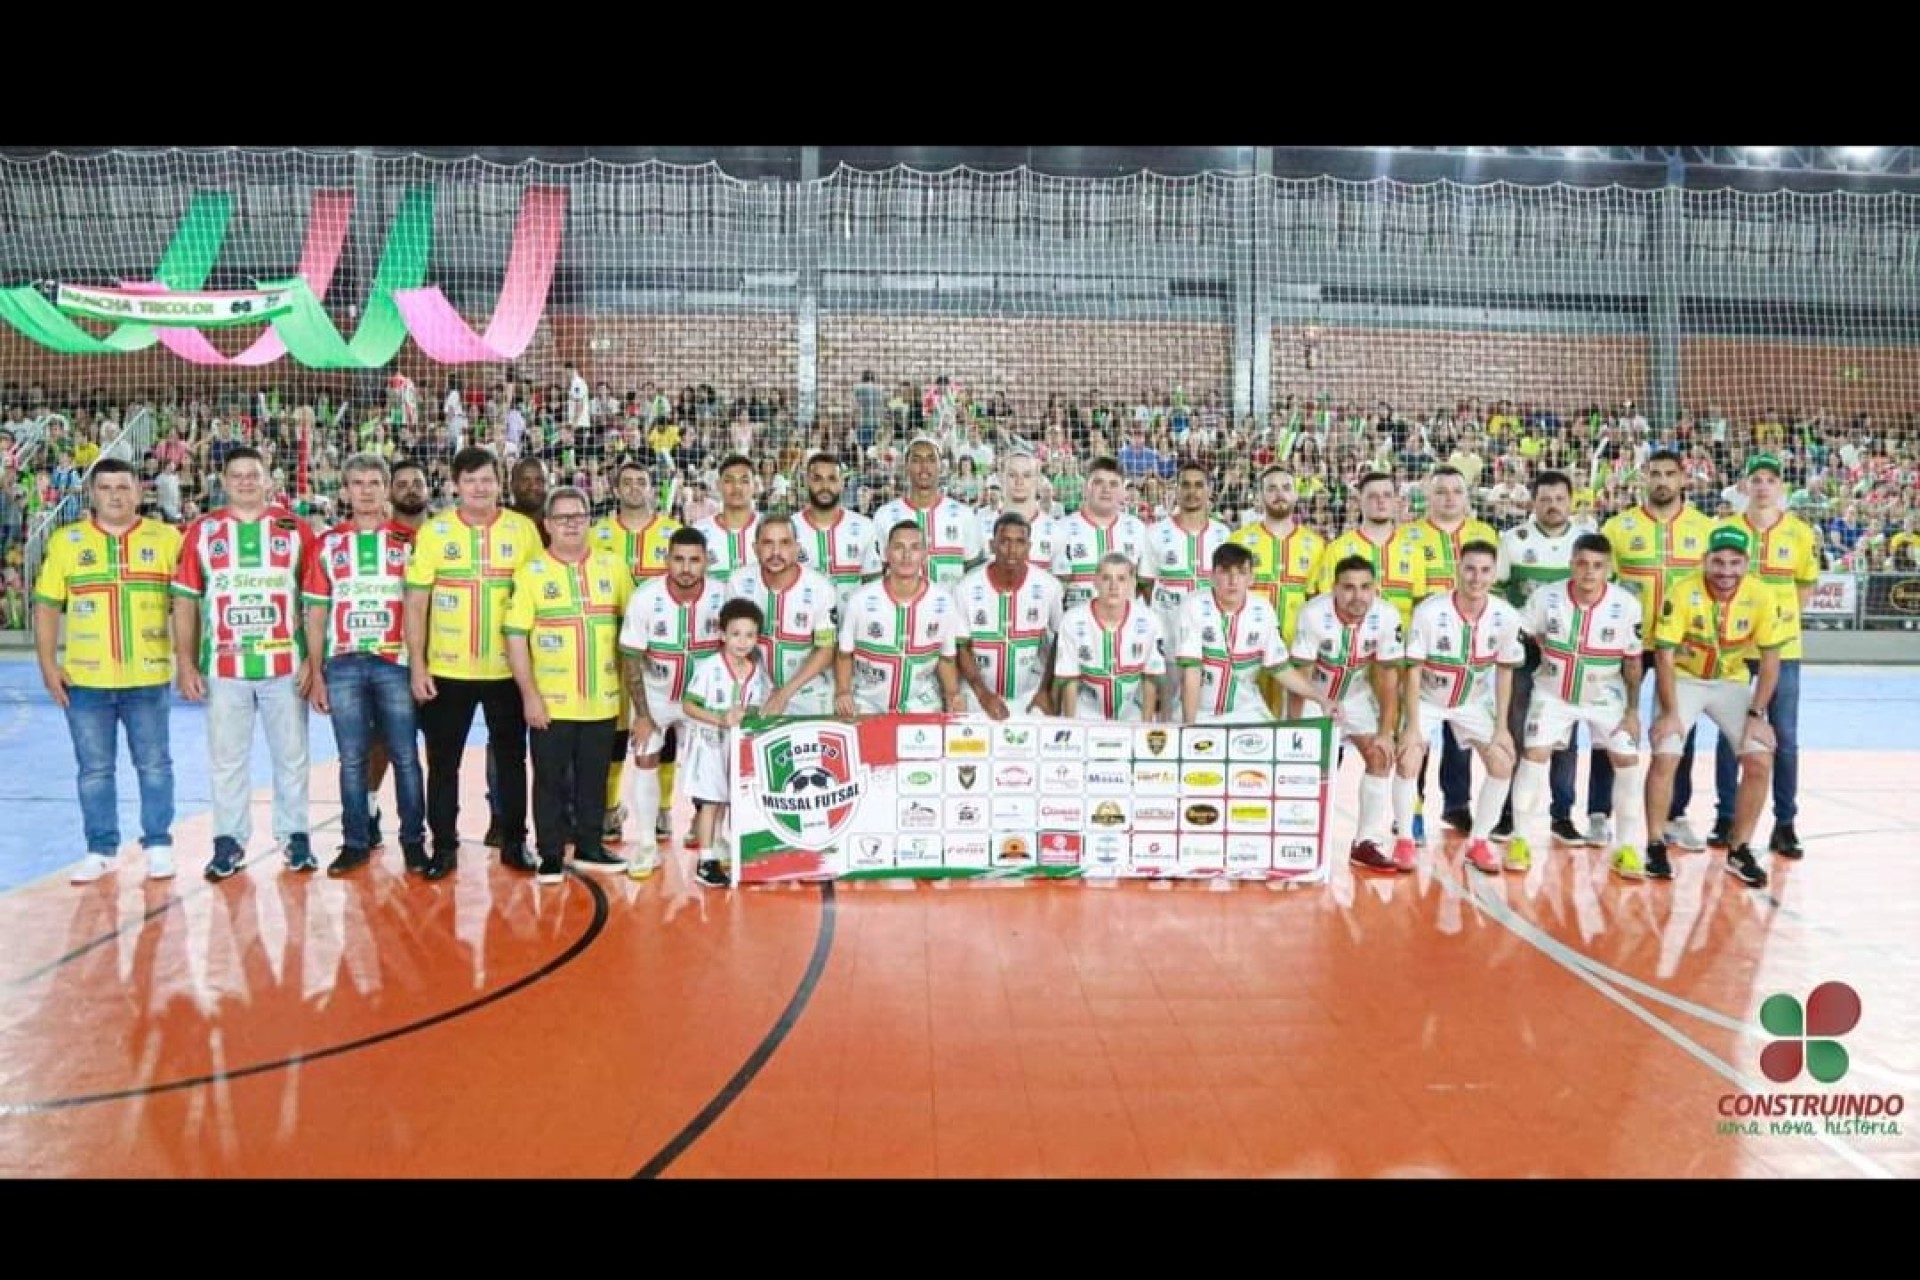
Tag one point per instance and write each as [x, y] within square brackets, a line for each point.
[1460, 820]
[1785, 842]
[492, 839]
[515, 857]
[349, 860]
[442, 864]
[415, 856]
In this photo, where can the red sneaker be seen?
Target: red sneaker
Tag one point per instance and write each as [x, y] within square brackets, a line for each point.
[1406, 854]
[1367, 854]
[1481, 855]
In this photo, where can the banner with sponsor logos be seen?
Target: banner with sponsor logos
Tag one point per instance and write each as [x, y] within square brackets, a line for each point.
[1893, 597]
[933, 796]
[1836, 595]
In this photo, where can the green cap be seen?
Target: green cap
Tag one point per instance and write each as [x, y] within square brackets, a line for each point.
[1729, 538]
[1765, 462]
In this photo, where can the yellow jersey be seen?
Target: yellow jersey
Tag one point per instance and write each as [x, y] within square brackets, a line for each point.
[1785, 558]
[1651, 554]
[468, 570]
[113, 589]
[1283, 568]
[1400, 566]
[571, 616]
[1714, 639]
[1443, 549]
[642, 550]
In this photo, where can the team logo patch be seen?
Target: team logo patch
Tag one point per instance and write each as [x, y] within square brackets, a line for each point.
[809, 781]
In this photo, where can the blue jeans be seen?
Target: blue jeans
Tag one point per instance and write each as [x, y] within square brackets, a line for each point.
[1784, 716]
[371, 695]
[93, 718]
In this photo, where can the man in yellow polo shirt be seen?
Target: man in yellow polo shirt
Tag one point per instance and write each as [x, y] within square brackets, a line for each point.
[1712, 626]
[459, 582]
[563, 644]
[1394, 550]
[1655, 545]
[1786, 560]
[636, 534]
[109, 575]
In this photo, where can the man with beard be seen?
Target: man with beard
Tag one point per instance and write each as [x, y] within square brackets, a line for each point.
[527, 488]
[799, 607]
[1533, 554]
[833, 541]
[1655, 545]
[1286, 557]
[1179, 561]
[1712, 626]
[408, 497]
[636, 534]
[671, 623]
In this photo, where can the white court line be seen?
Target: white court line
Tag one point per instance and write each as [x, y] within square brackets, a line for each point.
[1570, 960]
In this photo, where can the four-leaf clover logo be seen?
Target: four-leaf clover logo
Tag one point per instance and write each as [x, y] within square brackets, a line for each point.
[1809, 1038]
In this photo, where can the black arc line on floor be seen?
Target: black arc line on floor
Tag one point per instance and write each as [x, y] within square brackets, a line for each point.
[762, 1053]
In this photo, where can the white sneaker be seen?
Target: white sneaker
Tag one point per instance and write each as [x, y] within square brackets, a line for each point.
[160, 863]
[643, 861]
[1599, 831]
[1681, 835]
[95, 866]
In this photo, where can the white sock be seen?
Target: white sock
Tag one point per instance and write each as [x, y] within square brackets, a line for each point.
[1630, 807]
[1403, 789]
[1376, 807]
[644, 785]
[1486, 809]
[1529, 802]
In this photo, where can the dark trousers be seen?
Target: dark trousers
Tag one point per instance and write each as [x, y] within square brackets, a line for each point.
[446, 721]
[570, 763]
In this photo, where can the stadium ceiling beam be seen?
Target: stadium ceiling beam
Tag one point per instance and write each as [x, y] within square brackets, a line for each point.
[1901, 162]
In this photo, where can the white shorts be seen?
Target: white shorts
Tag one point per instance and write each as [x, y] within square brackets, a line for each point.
[1471, 721]
[703, 763]
[1724, 701]
[814, 699]
[1363, 714]
[1550, 723]
[670, 715]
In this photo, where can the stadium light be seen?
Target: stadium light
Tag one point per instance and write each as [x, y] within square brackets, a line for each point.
[1763, 153]
[1860, 153]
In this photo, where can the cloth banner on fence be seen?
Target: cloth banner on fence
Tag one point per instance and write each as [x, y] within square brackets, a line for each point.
[1835, 597]
[933, 796]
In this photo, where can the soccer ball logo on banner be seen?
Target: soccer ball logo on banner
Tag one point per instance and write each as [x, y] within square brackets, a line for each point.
[810, 780]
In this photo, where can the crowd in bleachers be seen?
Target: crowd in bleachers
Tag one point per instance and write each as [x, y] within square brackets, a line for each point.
[1855, 478]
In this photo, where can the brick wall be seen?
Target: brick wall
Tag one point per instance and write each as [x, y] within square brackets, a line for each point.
[1426, 368]
[1032, 358]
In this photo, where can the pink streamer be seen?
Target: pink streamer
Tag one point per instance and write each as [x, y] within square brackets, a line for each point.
[447, 338]
[327, 221]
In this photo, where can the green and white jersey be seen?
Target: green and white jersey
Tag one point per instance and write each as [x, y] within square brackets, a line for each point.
[671, 635]
[1582, 647]
[1529, 559]
[1109, 664]
[953, 535]
[1079, 545]
[1231, 650]
[897, 646]
[800, 619]
[1008, 632]
[1458, 659]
